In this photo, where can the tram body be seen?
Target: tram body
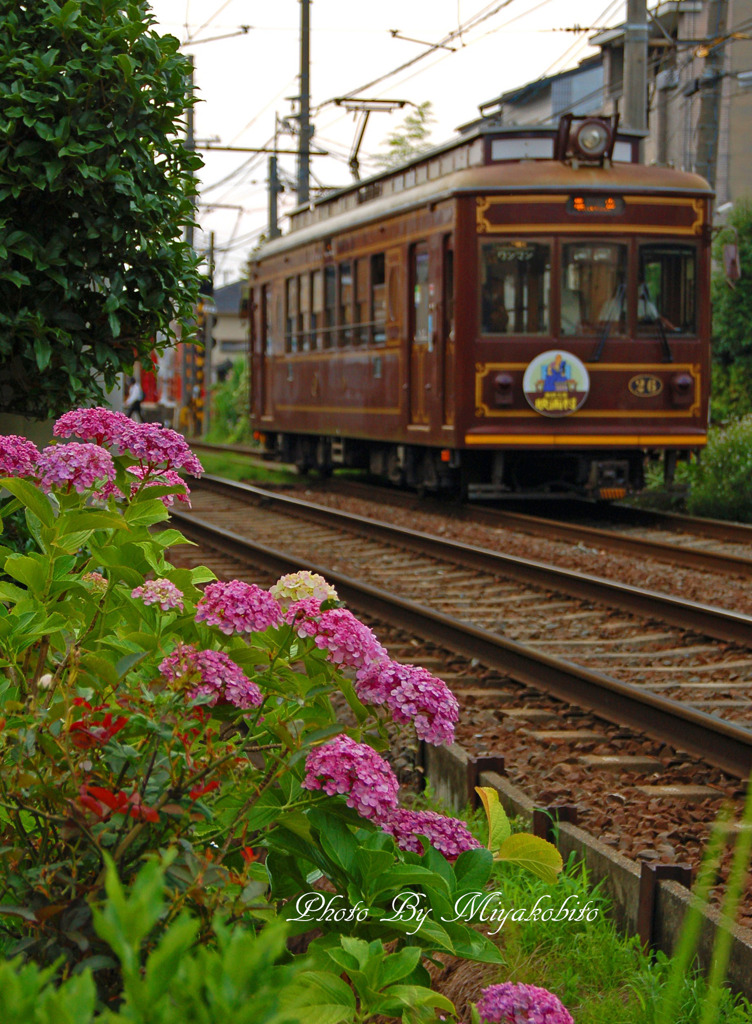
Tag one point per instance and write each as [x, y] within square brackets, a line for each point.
[501, 314]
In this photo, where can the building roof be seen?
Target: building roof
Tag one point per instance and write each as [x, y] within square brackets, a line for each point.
[524, 93]
[227, 298]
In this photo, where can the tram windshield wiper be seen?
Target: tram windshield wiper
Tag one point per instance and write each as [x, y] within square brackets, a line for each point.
[652, 315]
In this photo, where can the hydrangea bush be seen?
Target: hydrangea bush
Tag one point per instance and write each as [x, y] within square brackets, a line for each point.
[141, 714]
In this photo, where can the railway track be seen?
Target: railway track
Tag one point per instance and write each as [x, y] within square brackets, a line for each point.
[704, 544]
[636, 795]
[550, 628]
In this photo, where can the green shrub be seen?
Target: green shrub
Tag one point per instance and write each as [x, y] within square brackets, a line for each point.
[721, 482]
[230, 423]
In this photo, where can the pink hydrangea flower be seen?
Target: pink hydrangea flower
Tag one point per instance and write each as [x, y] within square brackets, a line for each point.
[413, 695]
[214, 674]
[18, 457]
[238, 607]
[100, 425]
[80, 466]
[297, 586]
[448, 835]
[509, 1003]
[96, 581]
[346, 639]
[167, 478]
[376, 681]
[161, 592]
[110, 490]
[159, 448]
[344, 766]
[427, 702]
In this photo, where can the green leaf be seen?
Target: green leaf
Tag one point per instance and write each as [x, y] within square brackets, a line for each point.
[29, 569]
[91, 519]
[398, 965]
[499, 828]
[201, 574]
[42, 352]
[532, 853]
[399, 996]
[332, 999]
[168, 538]
[472, 869]
[10, 592]
[34, 499]
[125, 664]
[146, 513]
[402, 875]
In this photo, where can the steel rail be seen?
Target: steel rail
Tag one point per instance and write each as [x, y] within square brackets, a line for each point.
[732, 627]
[691, 558]
[717, 742]
[715, 529]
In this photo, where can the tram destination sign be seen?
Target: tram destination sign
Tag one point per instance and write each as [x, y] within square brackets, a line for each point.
[601, 205]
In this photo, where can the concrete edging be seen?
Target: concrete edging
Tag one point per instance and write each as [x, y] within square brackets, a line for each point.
[453, 773]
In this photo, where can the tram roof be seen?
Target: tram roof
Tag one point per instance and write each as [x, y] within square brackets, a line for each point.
[462, 166]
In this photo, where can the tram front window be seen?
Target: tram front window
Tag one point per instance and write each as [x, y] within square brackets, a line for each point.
[593, 288]
[515, 288]
[667, 291]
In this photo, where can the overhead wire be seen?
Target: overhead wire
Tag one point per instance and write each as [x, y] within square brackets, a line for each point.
[475, 20]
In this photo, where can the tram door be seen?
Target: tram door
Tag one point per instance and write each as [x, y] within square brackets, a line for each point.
[424, 307]
[262, 345]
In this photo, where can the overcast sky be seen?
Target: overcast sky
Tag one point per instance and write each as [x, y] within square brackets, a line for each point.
[242, 81]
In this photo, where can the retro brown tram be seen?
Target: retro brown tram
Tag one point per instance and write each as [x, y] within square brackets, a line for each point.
[515, 311]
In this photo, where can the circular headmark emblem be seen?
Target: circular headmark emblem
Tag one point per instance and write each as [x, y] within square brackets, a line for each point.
[556, 383]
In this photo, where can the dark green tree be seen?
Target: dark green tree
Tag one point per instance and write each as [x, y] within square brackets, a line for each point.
[409, 139]
[96, 188]
[732, 319]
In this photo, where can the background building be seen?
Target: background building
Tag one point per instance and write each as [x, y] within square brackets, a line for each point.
[699, 96]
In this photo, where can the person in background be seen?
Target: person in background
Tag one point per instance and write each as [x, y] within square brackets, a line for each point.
[133, 399]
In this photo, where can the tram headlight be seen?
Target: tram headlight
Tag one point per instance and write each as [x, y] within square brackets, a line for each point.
[592, 138]
[682, 389]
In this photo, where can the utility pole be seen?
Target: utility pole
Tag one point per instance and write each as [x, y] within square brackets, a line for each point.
[304, 117]
[274, 189]
[711, 84]
[190, 144]
[209, 315]
[190, 137]
[634, 108]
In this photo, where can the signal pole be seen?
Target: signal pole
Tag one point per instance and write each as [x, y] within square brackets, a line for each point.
[210, 315]
[304, 117]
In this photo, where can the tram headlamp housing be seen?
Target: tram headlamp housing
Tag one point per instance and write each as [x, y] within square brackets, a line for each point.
[586, 139]
[592, 138]
[682, 389]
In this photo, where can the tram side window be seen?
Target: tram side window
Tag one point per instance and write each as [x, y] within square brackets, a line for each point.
[304, 314]
[330, 305]
[449, 290]
[515, 287]
[267, 324]
[291, 314]
[667, 289]
[317, 307]
[378, 298]
[345, 304]
[593, 288]
[360, 281]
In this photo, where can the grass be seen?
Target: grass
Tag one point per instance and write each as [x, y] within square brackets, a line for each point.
[244, 468]
[601, 976]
